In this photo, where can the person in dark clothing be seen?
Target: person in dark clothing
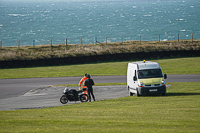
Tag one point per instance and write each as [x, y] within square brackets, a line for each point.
[89, 83]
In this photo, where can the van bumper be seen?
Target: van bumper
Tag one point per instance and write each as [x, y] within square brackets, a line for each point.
[151, 90]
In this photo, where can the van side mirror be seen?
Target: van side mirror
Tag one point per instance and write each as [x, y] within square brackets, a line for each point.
[135, 78]
[165, 76]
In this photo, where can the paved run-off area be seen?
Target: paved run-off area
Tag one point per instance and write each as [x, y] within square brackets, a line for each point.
[49, 96]
[38, 93]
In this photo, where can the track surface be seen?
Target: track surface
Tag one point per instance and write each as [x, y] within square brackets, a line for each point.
[38, 92]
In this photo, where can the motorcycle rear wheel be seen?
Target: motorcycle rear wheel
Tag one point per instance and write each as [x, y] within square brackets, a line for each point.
[64, 99]
[84, 98]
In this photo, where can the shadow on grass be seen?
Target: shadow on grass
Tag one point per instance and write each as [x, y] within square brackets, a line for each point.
[182, 94]
[172, 94]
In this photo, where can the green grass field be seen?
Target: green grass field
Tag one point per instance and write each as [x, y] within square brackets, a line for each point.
[188, 65]
[174, 113]
[177, 112]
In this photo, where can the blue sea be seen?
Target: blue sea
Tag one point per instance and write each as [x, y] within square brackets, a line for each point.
[45, 20]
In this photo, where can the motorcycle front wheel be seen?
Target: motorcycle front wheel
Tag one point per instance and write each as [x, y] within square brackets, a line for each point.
[84, 98]
[63, 99]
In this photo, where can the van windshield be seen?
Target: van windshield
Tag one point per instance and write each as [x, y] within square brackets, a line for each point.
[150, 73]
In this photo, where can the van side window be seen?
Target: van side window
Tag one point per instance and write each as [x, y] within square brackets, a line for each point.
[135, 77]
[140, 75]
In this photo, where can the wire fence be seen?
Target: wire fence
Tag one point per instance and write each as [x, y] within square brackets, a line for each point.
[95, 41]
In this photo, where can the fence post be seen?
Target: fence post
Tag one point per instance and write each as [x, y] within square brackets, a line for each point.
[66, 42]
[159, 38]
[192, 37]
[106, 40]
[51, 44]
[81, 41]
[178, 37]
[122, 39]
[0, 44]
[34, 43]
[18, 44]
[140, 38]
[95, 40]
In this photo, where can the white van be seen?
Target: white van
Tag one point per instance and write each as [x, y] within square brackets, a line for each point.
[145, 78]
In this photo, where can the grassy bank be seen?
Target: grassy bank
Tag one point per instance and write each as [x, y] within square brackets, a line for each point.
[169, 66]
[74, 50]
[177, 112]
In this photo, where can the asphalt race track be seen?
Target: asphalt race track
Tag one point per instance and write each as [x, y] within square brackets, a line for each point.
[39, 92]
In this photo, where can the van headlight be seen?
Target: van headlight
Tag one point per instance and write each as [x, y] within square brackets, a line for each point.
[141, 84]
[163, 83]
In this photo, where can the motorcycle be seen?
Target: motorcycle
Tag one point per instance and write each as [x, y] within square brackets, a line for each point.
[74, 95]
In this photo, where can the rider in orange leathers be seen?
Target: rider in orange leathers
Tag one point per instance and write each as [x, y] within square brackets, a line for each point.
[82, 81]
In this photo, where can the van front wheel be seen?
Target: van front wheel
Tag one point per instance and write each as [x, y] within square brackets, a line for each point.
[138, 94]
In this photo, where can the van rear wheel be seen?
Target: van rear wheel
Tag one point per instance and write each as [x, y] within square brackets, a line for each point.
[131, 94]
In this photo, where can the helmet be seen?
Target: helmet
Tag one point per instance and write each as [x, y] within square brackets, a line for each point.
[88, 76]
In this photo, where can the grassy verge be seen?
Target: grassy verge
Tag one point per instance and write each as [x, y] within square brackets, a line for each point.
[60, 51]
[177, 112]
[170, 66]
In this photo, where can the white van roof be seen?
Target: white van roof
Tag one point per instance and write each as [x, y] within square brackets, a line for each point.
[146, 65]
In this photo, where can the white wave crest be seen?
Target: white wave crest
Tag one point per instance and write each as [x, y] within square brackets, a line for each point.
[16, 15]
[183, 30]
